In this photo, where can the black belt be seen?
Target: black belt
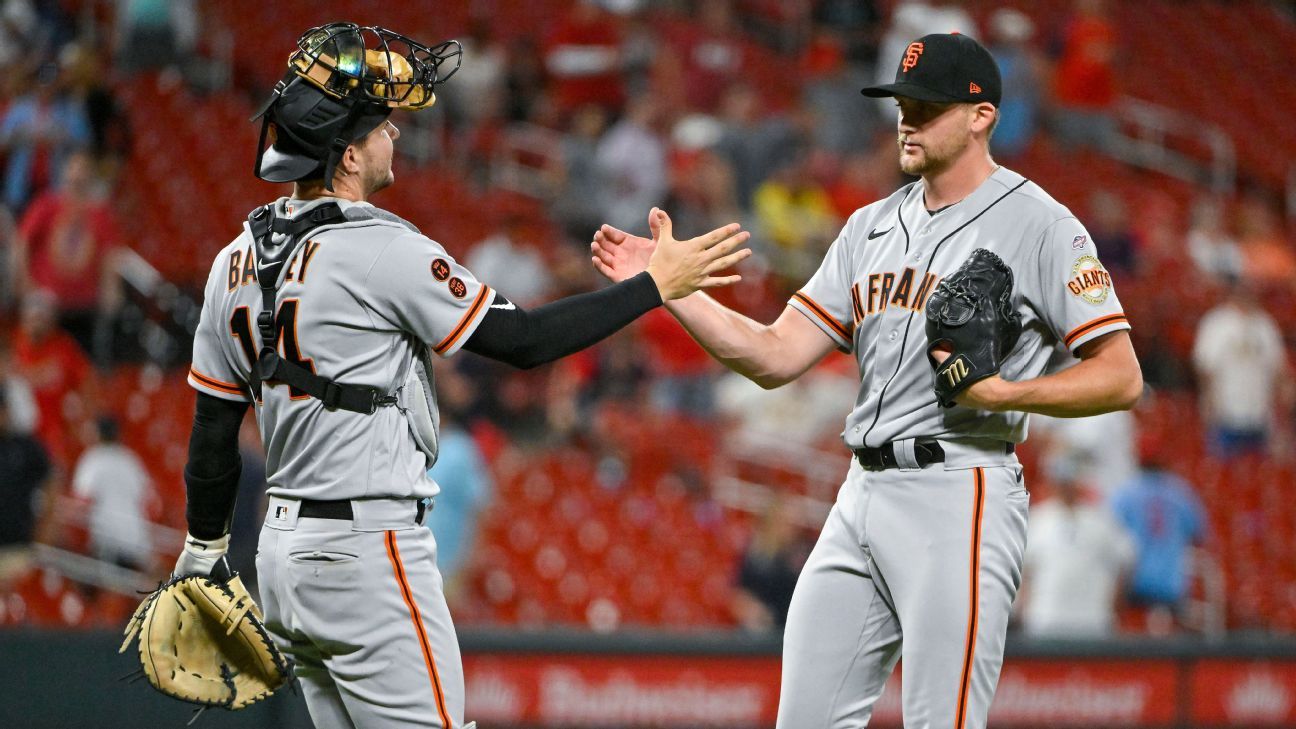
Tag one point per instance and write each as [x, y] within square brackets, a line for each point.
[883, 457]
[341, 509]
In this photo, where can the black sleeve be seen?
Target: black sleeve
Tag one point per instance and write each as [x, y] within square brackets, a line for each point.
[212, 473]
[529, 338]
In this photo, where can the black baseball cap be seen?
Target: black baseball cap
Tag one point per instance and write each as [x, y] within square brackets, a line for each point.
[944, 68]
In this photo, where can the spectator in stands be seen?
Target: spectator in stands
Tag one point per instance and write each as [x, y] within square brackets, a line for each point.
[1076, 554]
[155, 35]
[1242, 372]
[1103, 447]
[795, 219]
[1166, 518]
[713, 51]
[110, 137]
[112, 479]
[617, 371]
[1109, 226]
[754, 141]
[57, 369]
[481, 81]
[466, 488]
[642, 52]
[575, 204]
[524, 80]
[23, 414]
[1267, 256]
[24, 474]
[1084, 83]
[514, 267]
[857, 23]
[582, 57]
[69, 238]
[38, 131]
[865, 175]
[817, 402]
[11, 263]
[1213, 248]
[768, 573]
[20, 31]
[702, 184]
[1022, 67]
[830, 97]
[631, 164]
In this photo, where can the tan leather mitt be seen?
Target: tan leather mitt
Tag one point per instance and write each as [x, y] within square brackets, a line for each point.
[202, 640]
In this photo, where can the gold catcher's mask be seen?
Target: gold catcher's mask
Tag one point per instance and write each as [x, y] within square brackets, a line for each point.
[342, 83]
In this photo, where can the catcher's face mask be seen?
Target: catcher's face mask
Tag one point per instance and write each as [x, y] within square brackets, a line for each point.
[342, 83]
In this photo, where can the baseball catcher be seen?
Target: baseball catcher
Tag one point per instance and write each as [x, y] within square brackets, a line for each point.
[201, 637]
[971, 315]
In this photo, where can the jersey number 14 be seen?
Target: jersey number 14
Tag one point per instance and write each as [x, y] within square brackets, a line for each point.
[285, 327]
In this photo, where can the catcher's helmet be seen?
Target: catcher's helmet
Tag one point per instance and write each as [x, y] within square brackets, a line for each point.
[342, 83]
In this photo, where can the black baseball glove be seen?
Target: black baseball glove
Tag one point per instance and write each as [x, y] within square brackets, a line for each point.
[971, 312]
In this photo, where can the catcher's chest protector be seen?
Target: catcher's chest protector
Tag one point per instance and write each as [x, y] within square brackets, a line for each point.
[277, 240]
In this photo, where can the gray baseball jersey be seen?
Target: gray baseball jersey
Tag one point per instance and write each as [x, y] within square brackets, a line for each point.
[356, 299]
[889, 258]
[926, 561]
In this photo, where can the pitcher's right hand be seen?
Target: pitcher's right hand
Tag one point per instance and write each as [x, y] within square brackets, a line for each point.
[677, 267]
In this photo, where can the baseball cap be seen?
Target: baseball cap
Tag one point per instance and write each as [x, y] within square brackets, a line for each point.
[944, 68]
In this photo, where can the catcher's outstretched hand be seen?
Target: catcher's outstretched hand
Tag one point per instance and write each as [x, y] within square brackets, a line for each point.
[619, 255]
[678, 267]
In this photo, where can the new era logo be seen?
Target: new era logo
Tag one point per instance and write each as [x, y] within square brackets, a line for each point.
[973, 88]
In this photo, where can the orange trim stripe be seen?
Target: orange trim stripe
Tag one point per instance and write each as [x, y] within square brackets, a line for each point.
[393, 553]
[467, 319]
[974, 599]
[1087, 327]
[214, 383]
[823, 315]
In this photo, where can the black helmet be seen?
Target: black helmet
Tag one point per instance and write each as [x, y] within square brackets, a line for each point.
[342, 83]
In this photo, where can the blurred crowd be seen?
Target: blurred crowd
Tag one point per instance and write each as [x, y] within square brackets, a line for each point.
[717, 111]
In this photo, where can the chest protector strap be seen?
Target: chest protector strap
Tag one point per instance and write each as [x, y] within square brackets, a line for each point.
[269, 366]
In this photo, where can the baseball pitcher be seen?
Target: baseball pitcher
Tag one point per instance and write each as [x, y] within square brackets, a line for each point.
[951, 294]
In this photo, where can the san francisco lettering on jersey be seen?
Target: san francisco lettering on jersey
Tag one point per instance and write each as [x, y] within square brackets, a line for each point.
[880, 290]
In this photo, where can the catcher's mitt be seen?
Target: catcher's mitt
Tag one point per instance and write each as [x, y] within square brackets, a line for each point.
[971, 312]
[202, 640]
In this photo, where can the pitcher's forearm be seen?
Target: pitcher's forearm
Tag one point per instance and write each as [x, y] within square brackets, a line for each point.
[1106, 379]
[1076, 394]
[768, 354]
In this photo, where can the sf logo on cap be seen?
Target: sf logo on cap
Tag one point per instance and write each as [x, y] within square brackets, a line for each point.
[911, 56]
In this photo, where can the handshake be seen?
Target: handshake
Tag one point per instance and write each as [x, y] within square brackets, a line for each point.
[679, 268]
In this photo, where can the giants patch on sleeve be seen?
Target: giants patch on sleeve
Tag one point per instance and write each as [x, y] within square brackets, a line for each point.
[1089, 282]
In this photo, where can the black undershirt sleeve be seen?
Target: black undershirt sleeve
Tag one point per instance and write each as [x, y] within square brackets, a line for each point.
[526, 339]
[212, 473]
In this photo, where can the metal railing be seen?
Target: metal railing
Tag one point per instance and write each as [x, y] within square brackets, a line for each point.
[70, 513]
[1147, 134]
